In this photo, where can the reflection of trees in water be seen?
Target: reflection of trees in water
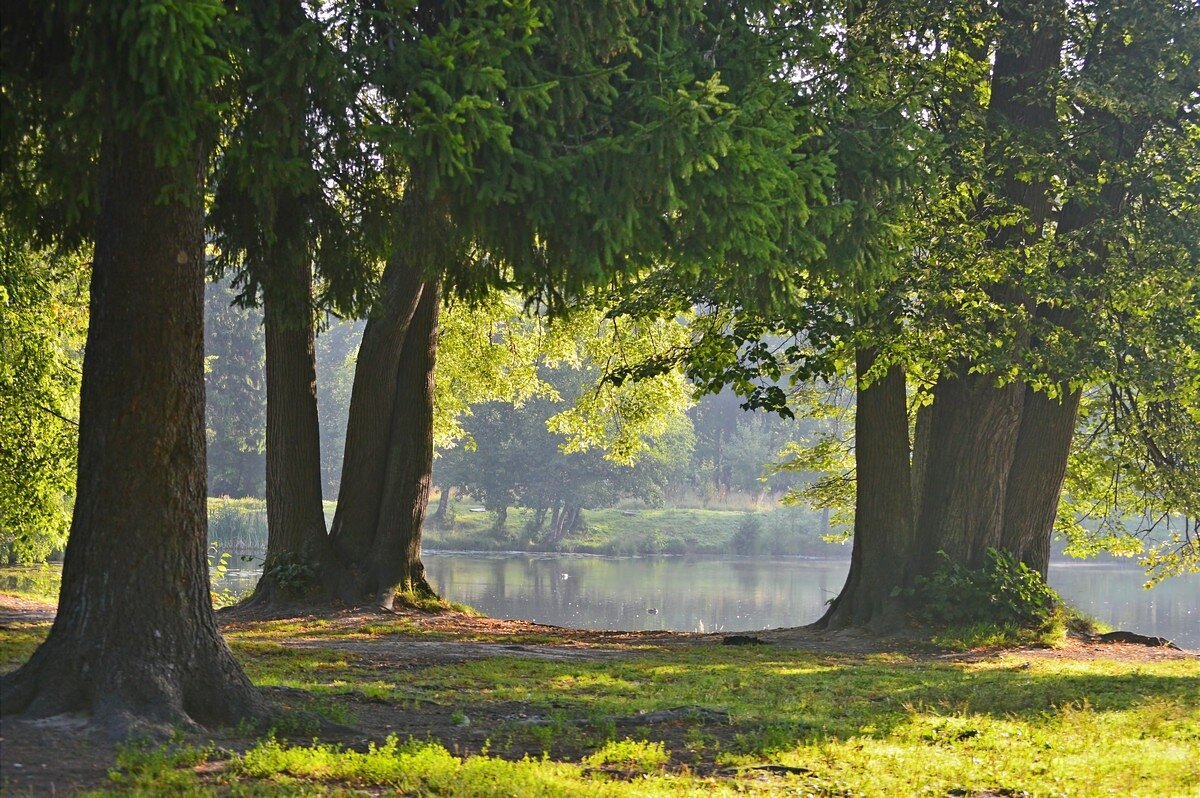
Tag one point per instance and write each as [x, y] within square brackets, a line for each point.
[743, 595]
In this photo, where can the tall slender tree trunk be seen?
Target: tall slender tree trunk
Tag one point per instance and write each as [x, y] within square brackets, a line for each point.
[295, 515]
[883, 527]
[142, 650]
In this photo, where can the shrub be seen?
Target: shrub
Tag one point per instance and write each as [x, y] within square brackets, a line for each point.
[1004, 591]
[745, 539]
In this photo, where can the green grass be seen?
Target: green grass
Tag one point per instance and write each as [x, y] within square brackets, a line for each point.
[33, 582]
[874, 725]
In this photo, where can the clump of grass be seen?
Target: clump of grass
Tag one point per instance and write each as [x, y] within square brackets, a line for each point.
[425, 602]
[635, 755]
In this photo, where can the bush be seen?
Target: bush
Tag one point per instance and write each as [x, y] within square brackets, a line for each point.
[745, 540]
[1004, 592]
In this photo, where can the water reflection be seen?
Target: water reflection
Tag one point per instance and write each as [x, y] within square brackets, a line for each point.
[727, 594]
[744, 593]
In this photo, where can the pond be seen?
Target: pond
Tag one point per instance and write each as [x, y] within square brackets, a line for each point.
[746, 593]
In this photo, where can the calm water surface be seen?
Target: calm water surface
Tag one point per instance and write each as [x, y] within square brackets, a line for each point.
[747, 593]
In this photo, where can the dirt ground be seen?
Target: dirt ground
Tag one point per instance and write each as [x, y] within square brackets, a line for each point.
[63, 755]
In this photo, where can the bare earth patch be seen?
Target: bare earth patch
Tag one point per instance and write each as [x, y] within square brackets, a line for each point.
[62, 756]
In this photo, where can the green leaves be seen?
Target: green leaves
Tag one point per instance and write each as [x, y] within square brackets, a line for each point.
[43, 322]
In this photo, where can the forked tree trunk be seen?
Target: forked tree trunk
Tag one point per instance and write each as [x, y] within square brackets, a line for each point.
[883, 528]
[140, 650]
[369, 433]
[974, 423]
[1048, 424]
[973, 428]
[396, 549]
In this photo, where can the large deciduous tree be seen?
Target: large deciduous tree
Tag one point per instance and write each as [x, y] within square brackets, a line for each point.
[142, 649]
[1057, 179]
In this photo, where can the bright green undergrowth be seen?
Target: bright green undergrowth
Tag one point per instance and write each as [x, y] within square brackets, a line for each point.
[878, 725]
[875, 725]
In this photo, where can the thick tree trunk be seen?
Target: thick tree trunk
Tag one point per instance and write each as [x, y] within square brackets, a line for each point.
[972, 440]
[974, 423]
[139, 650]
[368, 430]
[883, 528]
[396, 550]
[1048, 424]
[1036, 477]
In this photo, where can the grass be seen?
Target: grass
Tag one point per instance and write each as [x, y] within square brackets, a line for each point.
[874, 725]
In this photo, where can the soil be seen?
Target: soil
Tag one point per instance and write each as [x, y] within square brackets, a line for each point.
[64, 755]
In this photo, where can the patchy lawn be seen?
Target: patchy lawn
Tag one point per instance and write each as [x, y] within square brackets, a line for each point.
[454, 704]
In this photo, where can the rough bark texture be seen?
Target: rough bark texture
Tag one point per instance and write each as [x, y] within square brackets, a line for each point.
[972, 440]
[368, 429]
[883, 528]
[297, 543]
[1048, 424]
[295, 515]
[396, 549]
[1036, 477]
[974, 423]
[141, 650]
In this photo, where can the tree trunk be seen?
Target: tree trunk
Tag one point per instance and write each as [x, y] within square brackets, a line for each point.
[443, 506]
[368, 430]
[972, 440]
[142, 650]
[1048, 424]
[1036, 477]
[396, 550]
[974, 423]
[297, 537]
[883, 527]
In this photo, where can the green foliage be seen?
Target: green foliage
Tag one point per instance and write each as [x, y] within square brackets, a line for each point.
[237, 524]
[746, 539]
[43, 323]
[289, 572]
[1004, 592]
[637, 755]
[235, 395]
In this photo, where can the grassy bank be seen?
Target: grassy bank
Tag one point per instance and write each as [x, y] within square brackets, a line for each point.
[624, 531]
[241, 525]
[682, 717]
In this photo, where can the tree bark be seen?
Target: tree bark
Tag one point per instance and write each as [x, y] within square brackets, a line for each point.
[295, 515]
[883, 527]
[974, 422]
[1048, 424]
[369, 430]
[396, 549]
[1036, 477]
[973, 429]
[141, 651]
[443, 506]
